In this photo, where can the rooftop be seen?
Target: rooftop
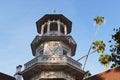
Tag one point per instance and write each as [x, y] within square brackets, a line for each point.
[111, 74]
[6, 77]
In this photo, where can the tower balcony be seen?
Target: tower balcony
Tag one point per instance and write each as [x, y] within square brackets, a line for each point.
[53, 60]
[53, 63]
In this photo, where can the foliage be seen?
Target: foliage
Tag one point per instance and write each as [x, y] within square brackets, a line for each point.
[87, 74]
[115, 48]
[99, 46]
[104, 59]
[99, 20]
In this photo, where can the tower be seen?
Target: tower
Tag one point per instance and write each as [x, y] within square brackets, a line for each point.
[53, 48]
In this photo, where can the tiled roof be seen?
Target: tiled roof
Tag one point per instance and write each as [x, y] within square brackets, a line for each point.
[111, 74]
[6, 77]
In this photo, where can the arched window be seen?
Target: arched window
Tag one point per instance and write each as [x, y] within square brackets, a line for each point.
[53, 26]
[64, 52]
[41, 52]
[61, 28]
[45, 28]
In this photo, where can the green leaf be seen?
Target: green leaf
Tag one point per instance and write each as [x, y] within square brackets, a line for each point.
[99, 46]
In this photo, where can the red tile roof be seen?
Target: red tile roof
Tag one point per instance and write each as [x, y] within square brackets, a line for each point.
[6, 77]
[111, 74]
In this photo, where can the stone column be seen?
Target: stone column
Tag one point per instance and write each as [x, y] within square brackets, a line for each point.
[65, 29]
[58, 22]
[42, 29]
[48, 28]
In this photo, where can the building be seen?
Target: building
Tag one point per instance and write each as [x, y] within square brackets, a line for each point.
[6, 77]
[111, 74]
[53, 49]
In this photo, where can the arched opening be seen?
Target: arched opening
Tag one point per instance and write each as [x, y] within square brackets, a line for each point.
[45, 28]
[64, 52]
[53, 26]
[61, 28]
[41, 52]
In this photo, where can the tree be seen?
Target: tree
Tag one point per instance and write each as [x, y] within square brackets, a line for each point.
[98, 21]
[99, 46]
[105, 59]
[115, 48]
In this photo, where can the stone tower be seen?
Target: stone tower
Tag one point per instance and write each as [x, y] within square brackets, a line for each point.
[53, 48]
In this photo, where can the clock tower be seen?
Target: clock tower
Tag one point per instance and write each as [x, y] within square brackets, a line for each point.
[53, 49]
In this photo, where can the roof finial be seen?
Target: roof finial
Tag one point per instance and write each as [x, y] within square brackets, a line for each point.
[54, 11]
[18, 74]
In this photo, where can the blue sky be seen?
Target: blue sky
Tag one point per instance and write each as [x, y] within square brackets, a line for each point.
[18, 28]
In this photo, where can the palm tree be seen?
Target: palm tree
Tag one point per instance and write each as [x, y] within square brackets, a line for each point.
[99, 46]
[98, 21]
[105, 59]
